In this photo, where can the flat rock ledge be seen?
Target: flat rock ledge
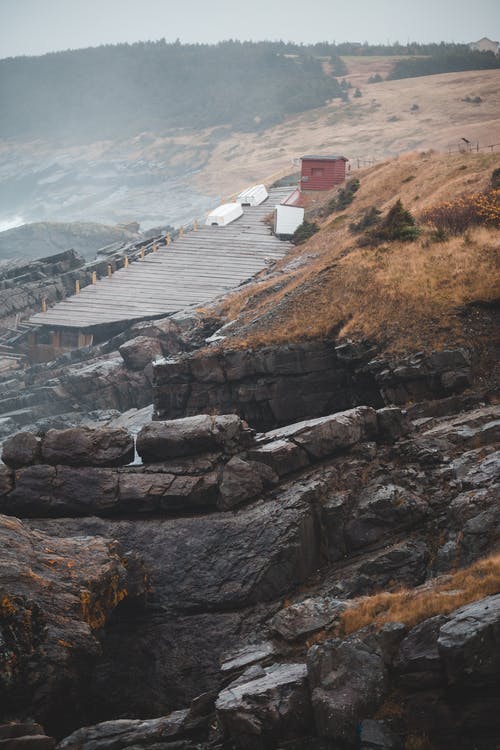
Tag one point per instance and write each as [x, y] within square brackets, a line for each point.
[191, 465]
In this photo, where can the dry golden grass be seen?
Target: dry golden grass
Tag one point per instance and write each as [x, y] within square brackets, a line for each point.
[440, 597]
[393, 294]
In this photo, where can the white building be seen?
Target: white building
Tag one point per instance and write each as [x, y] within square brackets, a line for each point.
[486, 45]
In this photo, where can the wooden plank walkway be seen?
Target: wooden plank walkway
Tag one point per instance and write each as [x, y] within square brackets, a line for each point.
[194, 269]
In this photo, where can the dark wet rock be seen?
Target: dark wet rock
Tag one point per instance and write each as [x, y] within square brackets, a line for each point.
[421, 377]
[392, 424]
[242, 481]
[6, 480]
[22, 449]
[140, 351]
[24, 736]
[130, 733]
[246, 656]
[326, 436]
[160, 441]
[375, 735]
[57, 594]
[150, 492]
[469, 643]
[473, 429]
[80, 446]
[273, 385]
[419, 662]
[269, 705]
[62, 490]
[282, 456]
[30, 742]
[477, 468]
[381, 509]
[303, 618]
[348, 681]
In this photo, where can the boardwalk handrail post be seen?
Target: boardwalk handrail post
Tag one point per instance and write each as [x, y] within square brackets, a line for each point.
[44, 304]
[110, 270]
[94, 277]
[77, 287]
[142, 253]
[155, 246]
[126, 261]
[168, 239]
[181, 231]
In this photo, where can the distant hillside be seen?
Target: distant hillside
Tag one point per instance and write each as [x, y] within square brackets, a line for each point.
[123, 89]
[46, 238]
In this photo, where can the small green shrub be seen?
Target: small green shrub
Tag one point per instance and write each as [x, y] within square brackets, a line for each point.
[306, 230]
[357, 94]
[399, 224]
[377, 78]
[370, 218]
[495, 179]
[344, 197]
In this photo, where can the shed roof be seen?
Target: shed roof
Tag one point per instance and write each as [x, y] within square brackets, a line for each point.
[326, 158]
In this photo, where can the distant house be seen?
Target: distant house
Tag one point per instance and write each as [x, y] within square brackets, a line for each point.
[486, 45]
[322, 172]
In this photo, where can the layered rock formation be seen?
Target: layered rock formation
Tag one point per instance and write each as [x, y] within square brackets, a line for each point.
[256, 545]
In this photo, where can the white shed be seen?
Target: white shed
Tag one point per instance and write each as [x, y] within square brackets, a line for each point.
[253, 196]
[287, 219]
[224, 214]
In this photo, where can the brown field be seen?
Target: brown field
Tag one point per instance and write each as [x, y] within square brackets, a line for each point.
[379, 124]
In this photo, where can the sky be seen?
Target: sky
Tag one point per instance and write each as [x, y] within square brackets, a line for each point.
[34, 27]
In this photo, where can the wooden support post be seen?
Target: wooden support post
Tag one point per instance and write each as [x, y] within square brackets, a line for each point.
[168, 239]
[110, 270]
[142, 253]
[77, 287]
[155, 247]
[126, 261]
[94, 277]
[44, 304]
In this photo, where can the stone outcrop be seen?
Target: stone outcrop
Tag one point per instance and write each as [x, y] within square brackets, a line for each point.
[56, 595]
[277, 385]
[190, 464]
[255, 544]
[266, 705]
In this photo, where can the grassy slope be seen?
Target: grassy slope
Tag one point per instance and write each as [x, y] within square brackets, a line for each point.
[404, 296]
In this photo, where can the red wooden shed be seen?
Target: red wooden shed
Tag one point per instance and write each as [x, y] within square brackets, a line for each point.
[322, 172]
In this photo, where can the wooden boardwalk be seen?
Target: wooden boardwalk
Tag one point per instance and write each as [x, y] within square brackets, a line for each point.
[194, 269]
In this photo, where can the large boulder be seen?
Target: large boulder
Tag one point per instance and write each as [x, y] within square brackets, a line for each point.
[45, 490]
[128, 733]
[265, 705]
[418, 661]
[140, 351]
[303, 618]
[347, 680]
[22, 449]
[82, 446]
[469, 643]
[326, 436]
[160, 441]
[382, 509]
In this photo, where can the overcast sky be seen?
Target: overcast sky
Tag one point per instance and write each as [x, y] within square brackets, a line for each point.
[33, 27]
